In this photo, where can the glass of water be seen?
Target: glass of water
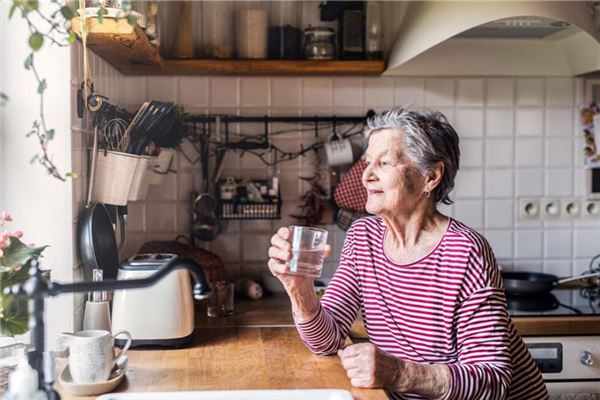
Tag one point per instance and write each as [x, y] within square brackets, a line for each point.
[308, 250]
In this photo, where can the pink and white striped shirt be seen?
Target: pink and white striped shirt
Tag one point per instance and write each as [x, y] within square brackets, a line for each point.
[446, 308]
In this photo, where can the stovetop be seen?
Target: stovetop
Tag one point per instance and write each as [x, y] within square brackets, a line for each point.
[571, 302]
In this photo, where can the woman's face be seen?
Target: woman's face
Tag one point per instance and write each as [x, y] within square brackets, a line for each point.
[392, 182]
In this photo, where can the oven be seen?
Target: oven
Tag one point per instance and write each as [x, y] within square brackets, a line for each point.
[562, 332]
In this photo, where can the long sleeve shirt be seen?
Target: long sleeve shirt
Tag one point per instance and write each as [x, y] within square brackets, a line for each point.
[447, 308]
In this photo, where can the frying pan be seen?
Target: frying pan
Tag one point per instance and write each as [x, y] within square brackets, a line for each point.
[535, 283]
[95, 233]
[97, 243]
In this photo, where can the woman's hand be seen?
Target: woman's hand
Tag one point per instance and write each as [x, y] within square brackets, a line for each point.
[369, 367]
[305, 303]
[279, 253]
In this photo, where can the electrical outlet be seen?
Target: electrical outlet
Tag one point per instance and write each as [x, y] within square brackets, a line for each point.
[550, 208]
[570, 208]
[590, 209]
[529, 208]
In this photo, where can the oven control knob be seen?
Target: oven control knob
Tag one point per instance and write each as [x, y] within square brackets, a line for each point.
[587, 359]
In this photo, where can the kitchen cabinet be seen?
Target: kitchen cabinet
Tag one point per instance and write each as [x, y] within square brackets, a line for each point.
[130, 52]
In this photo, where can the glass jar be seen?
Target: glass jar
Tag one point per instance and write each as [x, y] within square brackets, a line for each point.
[319, 43]
[285, 36]
[217, 21]
[251, 26]
[374, 28]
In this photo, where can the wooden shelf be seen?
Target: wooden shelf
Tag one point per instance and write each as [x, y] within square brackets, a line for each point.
[131, 53]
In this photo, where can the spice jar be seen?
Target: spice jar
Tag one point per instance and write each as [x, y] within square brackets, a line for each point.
[319, 43]
[217, 20]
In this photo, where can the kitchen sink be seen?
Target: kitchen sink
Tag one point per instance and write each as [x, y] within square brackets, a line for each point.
[297, 394]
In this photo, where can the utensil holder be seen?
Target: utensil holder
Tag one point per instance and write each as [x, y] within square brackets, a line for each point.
[141, 178]
[113, 177]
[96, 316]
[161, 166]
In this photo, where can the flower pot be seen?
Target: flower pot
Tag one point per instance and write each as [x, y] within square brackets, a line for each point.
[114, 176]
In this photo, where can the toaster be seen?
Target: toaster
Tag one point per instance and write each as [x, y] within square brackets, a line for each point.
[158, 315]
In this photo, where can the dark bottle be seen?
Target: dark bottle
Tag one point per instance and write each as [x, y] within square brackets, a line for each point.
[351, 27]
[285, 36]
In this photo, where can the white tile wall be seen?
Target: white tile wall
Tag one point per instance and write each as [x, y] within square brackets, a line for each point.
[519, 138]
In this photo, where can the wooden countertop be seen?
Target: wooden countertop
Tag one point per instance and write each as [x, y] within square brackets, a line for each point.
[258, 348]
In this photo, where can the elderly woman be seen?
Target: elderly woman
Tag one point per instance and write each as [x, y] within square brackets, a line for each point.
[428, 287]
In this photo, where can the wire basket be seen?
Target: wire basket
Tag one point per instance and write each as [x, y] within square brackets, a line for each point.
[242, 204]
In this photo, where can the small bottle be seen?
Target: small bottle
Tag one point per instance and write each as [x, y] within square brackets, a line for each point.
[23, 383]
[374, 29]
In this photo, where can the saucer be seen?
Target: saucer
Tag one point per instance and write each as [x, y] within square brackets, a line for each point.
[91, 389]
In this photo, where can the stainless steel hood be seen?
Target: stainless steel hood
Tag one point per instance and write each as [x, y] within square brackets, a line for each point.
[516, 38]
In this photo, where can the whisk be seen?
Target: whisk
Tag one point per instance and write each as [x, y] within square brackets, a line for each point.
[114, 135]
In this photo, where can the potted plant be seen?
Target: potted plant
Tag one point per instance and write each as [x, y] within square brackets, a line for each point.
[15, 258]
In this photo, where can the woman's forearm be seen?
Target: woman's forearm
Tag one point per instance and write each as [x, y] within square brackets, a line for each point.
[305, 303]
[429, 380]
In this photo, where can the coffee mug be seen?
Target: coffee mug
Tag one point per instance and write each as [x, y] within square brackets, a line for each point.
[339, 151]
[91, 354]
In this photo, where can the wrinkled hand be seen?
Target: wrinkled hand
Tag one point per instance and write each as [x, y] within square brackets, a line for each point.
[369, 367]
[280, 252]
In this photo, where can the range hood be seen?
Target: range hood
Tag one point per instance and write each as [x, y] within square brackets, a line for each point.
[511, 38]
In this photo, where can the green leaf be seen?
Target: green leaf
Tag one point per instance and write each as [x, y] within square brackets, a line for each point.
[67, 12]
[34, 159]
[50, 134]
[15, 315]
[17, 253]
[73, 175]
[30, 133]
[3, 99]
[42, 86]
[72, 38]
[101, 13]
[36, 41]
[29, 62]
[32, 4]
[131, 20]
[12, 10]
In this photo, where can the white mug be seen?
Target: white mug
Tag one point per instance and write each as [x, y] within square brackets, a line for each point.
[339, 152]
[91, 354]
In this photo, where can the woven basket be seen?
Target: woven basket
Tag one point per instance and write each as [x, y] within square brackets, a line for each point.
[210, 262]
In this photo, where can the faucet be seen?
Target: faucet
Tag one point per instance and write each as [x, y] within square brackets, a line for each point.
[37, 289]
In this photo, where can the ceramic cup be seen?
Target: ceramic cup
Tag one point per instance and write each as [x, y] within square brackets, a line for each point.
[91, 354]
[339, 152]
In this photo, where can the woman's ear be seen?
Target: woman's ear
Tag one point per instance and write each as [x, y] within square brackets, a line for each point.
[434, 177]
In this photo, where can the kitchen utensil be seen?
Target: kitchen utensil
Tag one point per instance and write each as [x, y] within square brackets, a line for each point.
[350, 194]
[159, 315]
[206, 226]
[146, 125]
[96, 242]
[535, 283]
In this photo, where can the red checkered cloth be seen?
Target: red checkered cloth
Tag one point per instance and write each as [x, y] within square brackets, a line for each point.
[350, 194]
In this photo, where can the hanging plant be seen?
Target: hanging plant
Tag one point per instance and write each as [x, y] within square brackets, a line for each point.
[53, 27]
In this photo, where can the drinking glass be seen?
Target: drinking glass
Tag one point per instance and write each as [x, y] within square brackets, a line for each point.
[308, 250]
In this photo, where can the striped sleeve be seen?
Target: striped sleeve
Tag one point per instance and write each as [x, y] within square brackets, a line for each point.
[327, 331]
[484, 366]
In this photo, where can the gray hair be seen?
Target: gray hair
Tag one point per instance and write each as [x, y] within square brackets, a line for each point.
[428, 139]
